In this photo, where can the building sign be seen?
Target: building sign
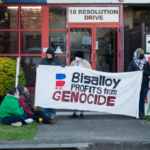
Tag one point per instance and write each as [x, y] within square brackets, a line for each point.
[100, 1]
[93, 14]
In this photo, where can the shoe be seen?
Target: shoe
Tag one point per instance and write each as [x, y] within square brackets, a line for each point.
[141, 115]
[29, 120]
[73, 116]
[53, 120]
[17, 124]
[81, 116]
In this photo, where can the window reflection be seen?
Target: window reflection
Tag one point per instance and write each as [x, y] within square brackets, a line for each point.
[28, 64]
[57, 18]
[80, 39]
[57, 40]
[31, 42]
[8, 17]
[30, 17]
[106, 50]
[8, 42]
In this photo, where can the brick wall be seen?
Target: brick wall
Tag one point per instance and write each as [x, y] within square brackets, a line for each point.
[128, 16]
[127, 19]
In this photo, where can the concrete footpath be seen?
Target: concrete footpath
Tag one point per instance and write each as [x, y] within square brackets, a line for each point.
[96, 132]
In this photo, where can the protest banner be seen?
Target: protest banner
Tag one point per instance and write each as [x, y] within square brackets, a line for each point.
[78, 88]
[147, 100]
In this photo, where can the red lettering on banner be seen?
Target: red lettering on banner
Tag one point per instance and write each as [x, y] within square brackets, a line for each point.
[82, 98]
[74, 96]
[64, 96]
[58, 97]
[96, 99]
[85, 97]
[99, 103]
[110, 101]
[89, 97]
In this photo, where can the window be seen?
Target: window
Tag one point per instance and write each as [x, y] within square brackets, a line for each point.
[8, 17]
[27, 31]
[57, 18]
[57, 32]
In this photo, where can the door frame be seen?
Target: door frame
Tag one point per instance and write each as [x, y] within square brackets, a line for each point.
[93, 26]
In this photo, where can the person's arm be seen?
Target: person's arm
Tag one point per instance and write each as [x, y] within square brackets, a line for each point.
[89, 66]
[41, 62]
[16, 109]
[147, 71]
[22, 103]
[130, 68]
[72, 63]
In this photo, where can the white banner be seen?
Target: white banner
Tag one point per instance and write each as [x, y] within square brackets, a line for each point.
[78, 88]
[93, 14]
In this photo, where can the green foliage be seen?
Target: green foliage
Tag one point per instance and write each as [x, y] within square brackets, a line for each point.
[8, 75]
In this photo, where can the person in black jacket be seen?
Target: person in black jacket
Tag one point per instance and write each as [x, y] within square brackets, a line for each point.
[139, 63]
[50, 60]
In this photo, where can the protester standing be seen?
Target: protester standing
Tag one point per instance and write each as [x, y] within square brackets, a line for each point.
[26, 103]
[10, 111]
[139, 63]
[79, 61]
[50, 60]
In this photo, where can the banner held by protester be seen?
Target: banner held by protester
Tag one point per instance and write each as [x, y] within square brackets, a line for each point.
[78, 88]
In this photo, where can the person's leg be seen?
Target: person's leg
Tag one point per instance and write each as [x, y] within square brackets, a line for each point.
[46, 111]
[52, 112]
[81, 115]
[143, 94]
[41, 114]
[74, 115]
[14, 119]
[34, 117]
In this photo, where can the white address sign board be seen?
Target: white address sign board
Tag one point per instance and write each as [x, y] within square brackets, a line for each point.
[93, 14]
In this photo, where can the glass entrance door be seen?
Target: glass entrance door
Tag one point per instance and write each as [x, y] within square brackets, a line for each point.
[81, 40]
[99, 43]
[106, 49]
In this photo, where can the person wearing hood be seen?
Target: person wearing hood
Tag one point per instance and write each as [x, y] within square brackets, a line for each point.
[50, 60]
[10, 111]
[139, 63]
[79, 61]
[26, 103]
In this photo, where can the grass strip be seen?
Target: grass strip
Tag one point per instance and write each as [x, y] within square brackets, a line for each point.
[13, 133]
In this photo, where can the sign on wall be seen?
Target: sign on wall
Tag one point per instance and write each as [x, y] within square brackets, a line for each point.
[93, 14]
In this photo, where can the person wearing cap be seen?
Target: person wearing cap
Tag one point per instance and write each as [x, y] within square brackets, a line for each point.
[26, 103]
[50, 60]
[139, 63]
[79, 61]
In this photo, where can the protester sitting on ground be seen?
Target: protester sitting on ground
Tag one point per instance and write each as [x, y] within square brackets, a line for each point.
[79, 61]
[25, 102]
[10, 111]
[50, 60]
[139, 63]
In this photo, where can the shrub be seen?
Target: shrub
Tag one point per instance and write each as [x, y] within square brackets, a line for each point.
[8, 75]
